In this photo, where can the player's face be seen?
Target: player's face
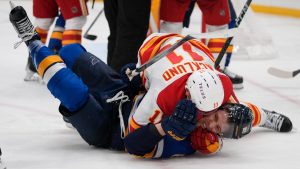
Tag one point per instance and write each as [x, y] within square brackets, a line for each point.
[215, 121]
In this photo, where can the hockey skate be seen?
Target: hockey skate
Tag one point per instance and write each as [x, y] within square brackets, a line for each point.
[277, 122]
[19, 19]
[237, 80]
[31, 73]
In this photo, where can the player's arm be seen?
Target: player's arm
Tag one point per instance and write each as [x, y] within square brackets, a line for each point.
[144, 140]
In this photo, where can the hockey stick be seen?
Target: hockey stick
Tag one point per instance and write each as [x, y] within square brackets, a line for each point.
[282, 73]
[228, 40]
[90, 36]
[132, 73]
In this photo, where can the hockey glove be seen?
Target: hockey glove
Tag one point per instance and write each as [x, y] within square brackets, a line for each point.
[182, 122]
[136, 81]
[206, 142]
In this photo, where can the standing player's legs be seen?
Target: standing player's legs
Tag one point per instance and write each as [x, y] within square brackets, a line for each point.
[236, 79]
[216, 17]
[75, 14]
[44, 12]
[55, 42]
[111, 14]
[221, 17]
[172, 14]
[132, 21]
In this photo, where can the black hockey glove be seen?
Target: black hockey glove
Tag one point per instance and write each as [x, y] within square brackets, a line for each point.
[182, 122]
[136, 81]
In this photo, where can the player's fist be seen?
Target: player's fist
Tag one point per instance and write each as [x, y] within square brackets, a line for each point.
[135, 82]
[182, 122]
[205, 141]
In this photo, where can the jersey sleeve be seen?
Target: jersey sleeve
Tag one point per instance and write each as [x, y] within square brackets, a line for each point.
[147, 111]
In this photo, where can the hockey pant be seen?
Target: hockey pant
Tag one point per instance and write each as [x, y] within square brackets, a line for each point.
[82, 83]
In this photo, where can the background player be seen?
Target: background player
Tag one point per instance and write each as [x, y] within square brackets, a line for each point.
[68, 27]
[216, 15]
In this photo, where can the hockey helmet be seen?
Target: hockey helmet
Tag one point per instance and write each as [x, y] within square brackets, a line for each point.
[208, 89]
[240, 120]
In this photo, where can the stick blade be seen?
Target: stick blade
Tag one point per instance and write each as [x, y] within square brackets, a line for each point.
[280, 73]
[90, 37]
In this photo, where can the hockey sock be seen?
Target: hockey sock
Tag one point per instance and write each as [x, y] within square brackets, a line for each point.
[259, 117]
[62, 82]
[55, 42]
[71, 36]
[42, 33]
[215, 46]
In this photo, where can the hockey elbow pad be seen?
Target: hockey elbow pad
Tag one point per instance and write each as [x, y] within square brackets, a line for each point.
[205, 142]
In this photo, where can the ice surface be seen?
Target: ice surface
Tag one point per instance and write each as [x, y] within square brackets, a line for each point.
[33, 135]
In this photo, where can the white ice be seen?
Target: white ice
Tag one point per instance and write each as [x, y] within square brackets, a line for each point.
[33, 135]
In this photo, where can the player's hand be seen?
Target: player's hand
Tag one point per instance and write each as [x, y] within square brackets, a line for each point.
[206, 142]
[136, 81]
[182, 122]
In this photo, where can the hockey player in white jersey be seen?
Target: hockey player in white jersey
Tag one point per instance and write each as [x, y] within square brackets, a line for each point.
[182, 87]
[186, 106]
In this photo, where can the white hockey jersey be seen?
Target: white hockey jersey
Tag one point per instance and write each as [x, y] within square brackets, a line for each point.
[165, 80]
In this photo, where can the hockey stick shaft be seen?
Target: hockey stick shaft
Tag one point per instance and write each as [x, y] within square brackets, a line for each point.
[228, 40]
[157, 57]
[94, 21]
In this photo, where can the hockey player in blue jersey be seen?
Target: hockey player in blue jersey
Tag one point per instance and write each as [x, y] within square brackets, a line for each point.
[97, 101]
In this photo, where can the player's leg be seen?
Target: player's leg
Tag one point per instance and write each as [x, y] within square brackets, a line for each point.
[55, 42]
[236, 79]
[111, 14]
[103, 83]
[75, 14]
[91, 118]
[172, 14]
[44, 13]
[269, 119]
[92, 121]
[216, 17]
[132, 26]
[97, 75]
